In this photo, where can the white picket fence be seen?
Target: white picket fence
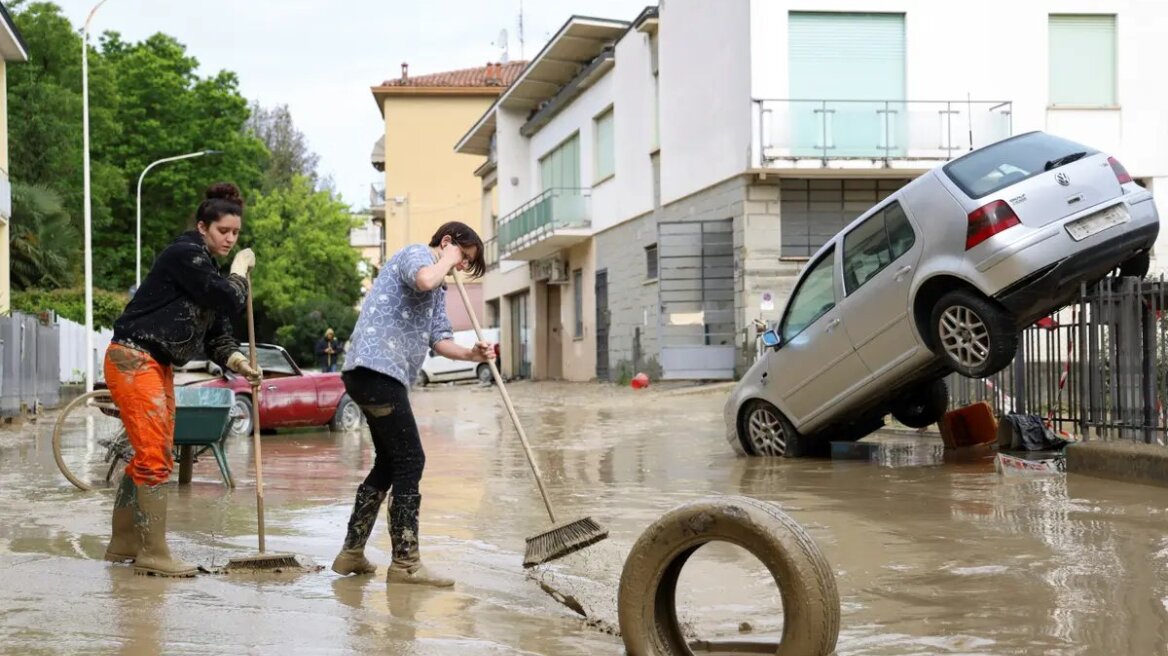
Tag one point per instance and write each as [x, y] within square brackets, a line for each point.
[72, 345]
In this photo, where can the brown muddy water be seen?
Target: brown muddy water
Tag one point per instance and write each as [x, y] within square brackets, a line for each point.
[931, 557]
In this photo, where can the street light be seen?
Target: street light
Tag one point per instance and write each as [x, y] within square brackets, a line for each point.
[89, 351]
[138, 241]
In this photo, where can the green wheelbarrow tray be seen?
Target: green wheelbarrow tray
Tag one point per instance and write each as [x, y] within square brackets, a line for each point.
[200, 421]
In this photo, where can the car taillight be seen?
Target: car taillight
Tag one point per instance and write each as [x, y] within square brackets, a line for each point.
[989, 220]
[1121, 173]
[496, 351]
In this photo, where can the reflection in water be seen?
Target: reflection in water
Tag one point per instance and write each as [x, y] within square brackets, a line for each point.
[933, 552]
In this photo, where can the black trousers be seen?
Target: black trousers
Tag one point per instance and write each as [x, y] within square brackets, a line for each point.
[399, 461]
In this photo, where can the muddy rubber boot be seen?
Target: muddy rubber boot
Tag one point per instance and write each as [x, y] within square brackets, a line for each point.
[154, 557]
[366, 507]
[407, 564]
[125, 540]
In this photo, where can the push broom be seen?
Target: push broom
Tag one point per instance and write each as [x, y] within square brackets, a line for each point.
[561, 539]
[261, 561]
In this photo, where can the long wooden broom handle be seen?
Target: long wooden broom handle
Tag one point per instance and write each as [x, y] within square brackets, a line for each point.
[255, 416]
[474, 320]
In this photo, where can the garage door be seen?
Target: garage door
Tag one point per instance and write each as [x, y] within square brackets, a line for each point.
[836, 57]
[814, 210]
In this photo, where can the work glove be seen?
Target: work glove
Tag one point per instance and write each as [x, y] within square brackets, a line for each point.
[239, 363]
[243, 263]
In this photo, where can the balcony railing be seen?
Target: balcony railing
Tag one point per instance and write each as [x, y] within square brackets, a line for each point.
[877, 129]
[491, 253]
[552, 220]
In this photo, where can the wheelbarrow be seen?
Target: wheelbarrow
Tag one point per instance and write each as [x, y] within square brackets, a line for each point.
[200, 424]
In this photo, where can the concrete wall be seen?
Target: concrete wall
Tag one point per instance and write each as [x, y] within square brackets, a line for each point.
[705, 73]
[632, 297]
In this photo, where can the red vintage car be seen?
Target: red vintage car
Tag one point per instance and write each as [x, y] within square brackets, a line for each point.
[289, 397]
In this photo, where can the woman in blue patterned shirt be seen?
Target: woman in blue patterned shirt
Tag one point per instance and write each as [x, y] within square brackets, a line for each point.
[402, 318]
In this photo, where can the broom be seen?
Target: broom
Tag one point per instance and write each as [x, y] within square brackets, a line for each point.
[262, 560]
[561, 539]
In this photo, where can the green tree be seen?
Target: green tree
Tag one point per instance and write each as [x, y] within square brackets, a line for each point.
[301, 240]
[304, 323]
[166, 109]
[70, 303]
[42, 237]
[44, 114]
[290, 155]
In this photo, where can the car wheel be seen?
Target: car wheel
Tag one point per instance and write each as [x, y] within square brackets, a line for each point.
[484, 374]
[975, 336]
[766, 432]
[348, 416]
[423, 379]
[240, 418]
[924, 406]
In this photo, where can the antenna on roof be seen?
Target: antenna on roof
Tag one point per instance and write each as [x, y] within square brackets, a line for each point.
[522, 51]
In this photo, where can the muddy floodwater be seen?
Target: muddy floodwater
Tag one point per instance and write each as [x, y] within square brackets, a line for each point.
[931, 556]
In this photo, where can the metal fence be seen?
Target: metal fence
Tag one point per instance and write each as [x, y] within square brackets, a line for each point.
[1096, 369]
[29, 367]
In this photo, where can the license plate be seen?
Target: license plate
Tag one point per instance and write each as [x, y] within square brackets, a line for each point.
[1098, 222]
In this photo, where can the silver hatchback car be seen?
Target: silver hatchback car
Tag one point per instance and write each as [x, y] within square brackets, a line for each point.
[941, 276]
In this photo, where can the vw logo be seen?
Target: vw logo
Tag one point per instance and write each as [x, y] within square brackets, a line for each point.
[1063, 179]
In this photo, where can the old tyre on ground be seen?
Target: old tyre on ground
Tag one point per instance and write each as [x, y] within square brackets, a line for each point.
[923, 406]
[975, 336]
[765, 431]
[646, 601]
[348, 416]
[240, 417]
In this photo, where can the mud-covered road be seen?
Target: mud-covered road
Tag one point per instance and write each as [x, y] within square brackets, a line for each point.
[932, 557]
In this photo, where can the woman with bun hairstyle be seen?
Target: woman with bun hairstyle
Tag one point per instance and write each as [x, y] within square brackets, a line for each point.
[183, 309]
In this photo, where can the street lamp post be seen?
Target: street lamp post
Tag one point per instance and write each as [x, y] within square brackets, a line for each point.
[89, 350]
[138, 239]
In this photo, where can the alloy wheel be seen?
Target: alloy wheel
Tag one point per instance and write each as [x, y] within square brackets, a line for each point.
[766, 432]
[964, 336]
[350, 416]
[240, 419]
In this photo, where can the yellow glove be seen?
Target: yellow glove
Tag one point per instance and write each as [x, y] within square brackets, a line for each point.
[239, 363]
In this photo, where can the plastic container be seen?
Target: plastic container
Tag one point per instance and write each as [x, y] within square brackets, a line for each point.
[201, 414]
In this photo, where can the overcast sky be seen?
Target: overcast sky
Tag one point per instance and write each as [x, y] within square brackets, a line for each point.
[321, 58]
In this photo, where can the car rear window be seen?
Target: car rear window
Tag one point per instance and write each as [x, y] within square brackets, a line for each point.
[1008, 162]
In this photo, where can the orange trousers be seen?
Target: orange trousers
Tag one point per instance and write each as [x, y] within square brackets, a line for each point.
[143, 390]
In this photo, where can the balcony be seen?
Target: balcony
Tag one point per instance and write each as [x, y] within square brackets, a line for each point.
[813, 134]
[558, 218]
[491, 254]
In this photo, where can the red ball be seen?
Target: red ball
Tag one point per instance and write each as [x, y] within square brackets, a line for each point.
[640, 381]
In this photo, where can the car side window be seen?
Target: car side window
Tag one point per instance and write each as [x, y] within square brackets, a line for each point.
[874, 244]
[814, 296]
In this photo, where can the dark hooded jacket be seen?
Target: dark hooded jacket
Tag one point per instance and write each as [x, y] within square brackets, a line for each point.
[184, 307]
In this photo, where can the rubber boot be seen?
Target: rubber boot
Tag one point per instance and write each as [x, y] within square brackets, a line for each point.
[407, 564]
[125, 541]
[366, 507]
[154, 557]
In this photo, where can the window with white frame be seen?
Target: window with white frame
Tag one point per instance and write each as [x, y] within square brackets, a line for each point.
[605, 158]
[1082, 59]
[560, 168]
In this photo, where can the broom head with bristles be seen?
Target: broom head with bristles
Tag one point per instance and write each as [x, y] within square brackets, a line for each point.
[270, 562]
[562, 540]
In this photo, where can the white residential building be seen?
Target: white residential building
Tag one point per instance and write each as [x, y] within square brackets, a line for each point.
[660, 182]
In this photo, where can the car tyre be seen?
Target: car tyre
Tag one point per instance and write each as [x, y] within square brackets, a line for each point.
[923, 406]
[975, 337]
[765, 431]
[423, 379]
[647, 596]
[348, 415]
[483, 373]
[241, 416]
